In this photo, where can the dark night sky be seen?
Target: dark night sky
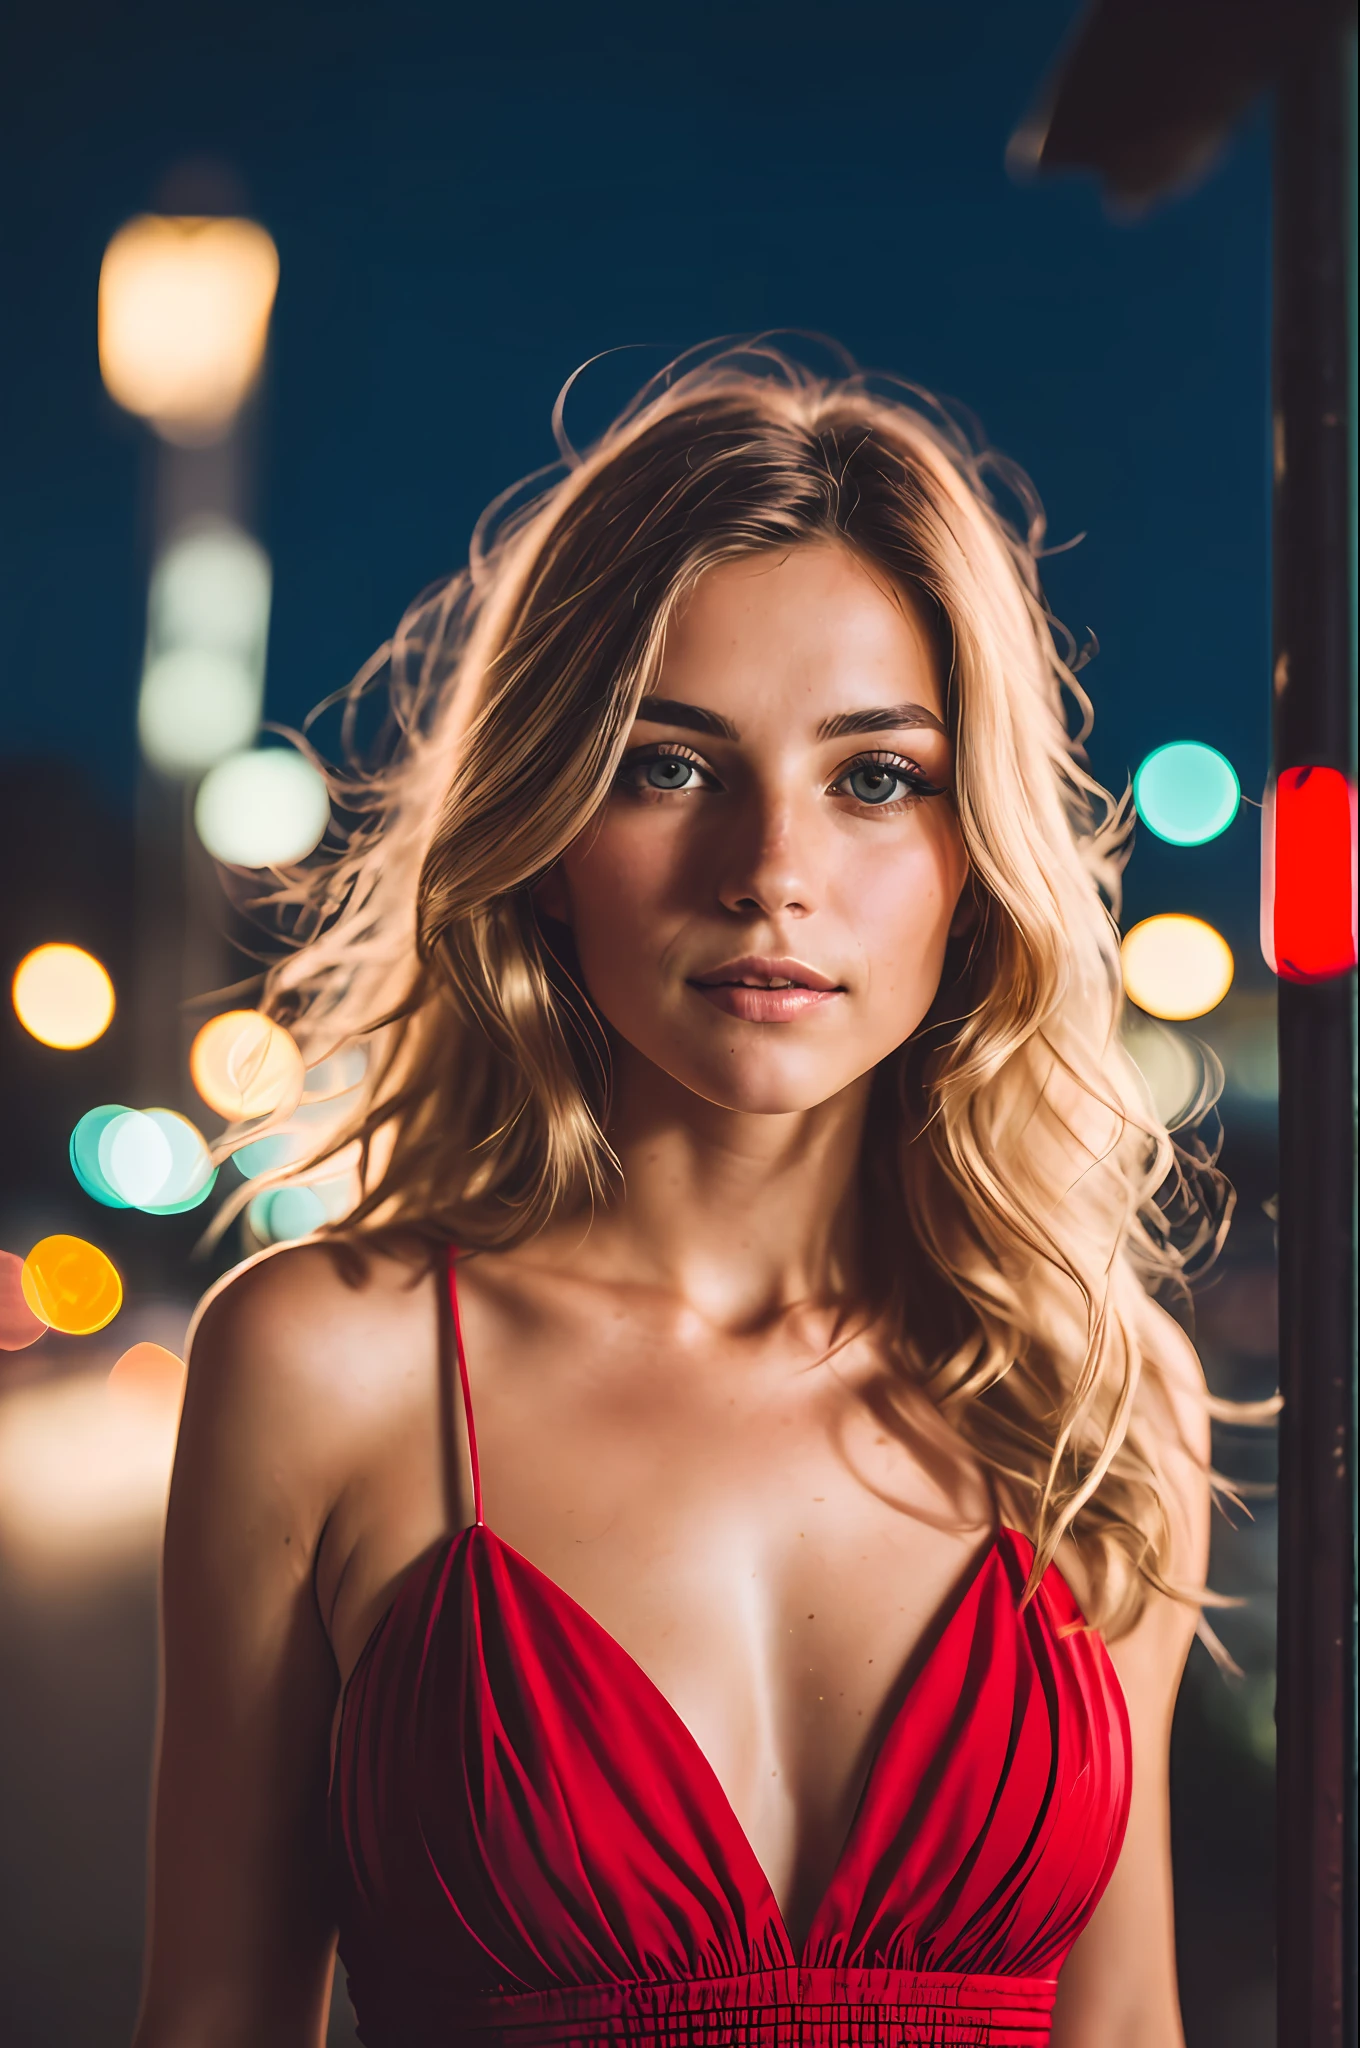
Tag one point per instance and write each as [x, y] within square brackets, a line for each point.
[467, 203]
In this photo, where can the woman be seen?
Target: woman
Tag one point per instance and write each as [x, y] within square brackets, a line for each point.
[707, 1552]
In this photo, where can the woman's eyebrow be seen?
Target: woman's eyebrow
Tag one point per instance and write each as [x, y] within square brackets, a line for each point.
[672, 711]
[881, 718]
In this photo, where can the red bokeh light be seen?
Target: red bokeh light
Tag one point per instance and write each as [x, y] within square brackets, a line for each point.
[1308, 895]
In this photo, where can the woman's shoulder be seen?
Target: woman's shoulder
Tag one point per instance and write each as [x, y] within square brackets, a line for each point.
[304, 1348]
[313, 1290]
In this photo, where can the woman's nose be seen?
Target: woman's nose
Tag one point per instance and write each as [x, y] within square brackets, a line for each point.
[770, 859]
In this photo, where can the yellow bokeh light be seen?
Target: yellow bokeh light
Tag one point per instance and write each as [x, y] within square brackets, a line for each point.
[184, 305]
[1176, 966]
[244, 1065]
[63, 996]
[72, 1285]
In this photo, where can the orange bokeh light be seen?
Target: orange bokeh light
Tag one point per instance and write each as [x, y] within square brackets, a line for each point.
[71, 1285]
[244, 1065]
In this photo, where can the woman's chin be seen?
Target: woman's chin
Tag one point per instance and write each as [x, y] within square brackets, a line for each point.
[761, 1087]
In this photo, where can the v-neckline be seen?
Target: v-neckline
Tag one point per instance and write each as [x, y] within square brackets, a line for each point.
[796, 1953]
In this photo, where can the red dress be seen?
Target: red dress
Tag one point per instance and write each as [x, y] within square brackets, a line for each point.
[530, 1849]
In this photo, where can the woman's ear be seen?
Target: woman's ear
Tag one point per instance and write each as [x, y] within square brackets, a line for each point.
[967, 911]
[550, 895]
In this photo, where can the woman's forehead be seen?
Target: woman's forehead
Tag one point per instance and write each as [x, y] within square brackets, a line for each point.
[810, 634]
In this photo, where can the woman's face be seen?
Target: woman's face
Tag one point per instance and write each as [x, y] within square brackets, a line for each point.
[761, 908]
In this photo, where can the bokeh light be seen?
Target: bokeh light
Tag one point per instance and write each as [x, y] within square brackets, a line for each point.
[19, 1327]
[207, 628]
[84, 1153]
[184, 305]
[1244, 1032]
[1176, 966]
[1187, 793]
[154, 1159]
[191, 1176]
[134, 1157]
[62, 996]
[84, 1472]
[71, 1285]
[1172, 1065]
[211, 588]
[244, 1065]
[197, 705]
[1308, 874]
[267, 1154]
[280, 1214]
[262, 809]
[338, 1074]
[149, 1371]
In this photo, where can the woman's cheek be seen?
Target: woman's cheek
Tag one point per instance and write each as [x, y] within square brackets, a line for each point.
[900, 912]
[619, 892]
[619, 883]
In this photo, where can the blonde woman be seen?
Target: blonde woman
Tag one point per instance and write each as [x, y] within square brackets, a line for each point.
[706, 1553]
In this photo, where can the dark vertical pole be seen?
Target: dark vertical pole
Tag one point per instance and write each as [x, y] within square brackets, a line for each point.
[1313, 724]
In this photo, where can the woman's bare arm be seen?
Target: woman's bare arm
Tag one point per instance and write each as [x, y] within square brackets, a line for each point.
[1118, 1989]
[240, 1940]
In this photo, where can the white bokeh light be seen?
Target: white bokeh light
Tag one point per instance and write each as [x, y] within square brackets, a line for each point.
[262, 809]
[135, 1157]
[211, 588]
[197, 705]
[207, 629]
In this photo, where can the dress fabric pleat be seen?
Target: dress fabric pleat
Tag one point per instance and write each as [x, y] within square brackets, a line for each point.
[530, 1848]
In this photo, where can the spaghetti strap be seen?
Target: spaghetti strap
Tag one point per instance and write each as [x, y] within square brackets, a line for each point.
[467, 1390]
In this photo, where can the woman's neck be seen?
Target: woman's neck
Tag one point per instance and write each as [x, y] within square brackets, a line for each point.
[743, 1216]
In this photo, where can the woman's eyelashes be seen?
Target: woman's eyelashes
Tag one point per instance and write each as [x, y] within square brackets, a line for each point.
[663, 770]
[885, 782]
[875, 782]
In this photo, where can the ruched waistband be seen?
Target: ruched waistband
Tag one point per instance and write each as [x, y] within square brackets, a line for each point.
[783, 2008]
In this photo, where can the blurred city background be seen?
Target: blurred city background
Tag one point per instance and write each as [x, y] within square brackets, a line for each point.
[292, 291]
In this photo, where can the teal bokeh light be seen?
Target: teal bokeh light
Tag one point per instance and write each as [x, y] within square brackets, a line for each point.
[263, 1155]
[281, 1213]
[1186, 792]
[189, 1175]
[84, 1153]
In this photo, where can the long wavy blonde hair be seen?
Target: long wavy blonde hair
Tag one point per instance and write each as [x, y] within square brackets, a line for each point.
[1019, 1171]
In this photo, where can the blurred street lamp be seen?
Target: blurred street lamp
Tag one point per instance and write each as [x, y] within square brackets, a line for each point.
[184, 305]
[207, 628]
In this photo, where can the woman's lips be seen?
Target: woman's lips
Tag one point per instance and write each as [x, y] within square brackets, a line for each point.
[763, 1005]
[765, 991]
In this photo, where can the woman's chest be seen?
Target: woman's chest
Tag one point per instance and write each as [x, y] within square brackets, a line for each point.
[772, 1549]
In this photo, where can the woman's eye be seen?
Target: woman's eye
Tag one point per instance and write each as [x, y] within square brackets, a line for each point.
[666, 772]
[663, 771]
[876, 783]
